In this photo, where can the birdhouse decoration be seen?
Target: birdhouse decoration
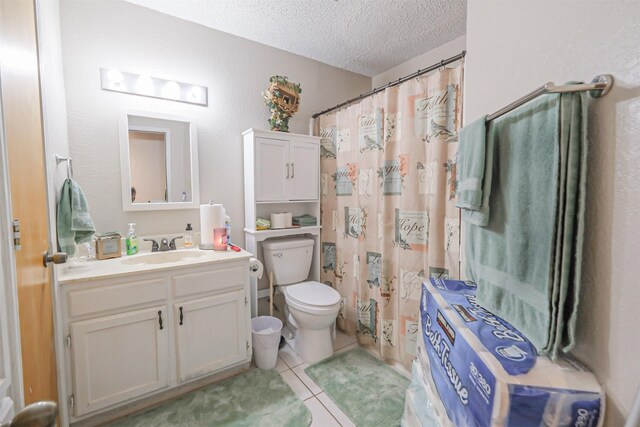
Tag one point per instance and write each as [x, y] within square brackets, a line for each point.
[283, 99]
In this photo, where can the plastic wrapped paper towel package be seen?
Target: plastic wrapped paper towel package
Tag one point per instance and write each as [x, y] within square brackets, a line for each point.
[422, 406]
[488, 374]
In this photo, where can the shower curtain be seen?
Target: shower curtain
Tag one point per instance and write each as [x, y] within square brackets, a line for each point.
[388, 214]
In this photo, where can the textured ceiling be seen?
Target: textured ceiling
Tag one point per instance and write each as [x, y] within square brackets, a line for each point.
[364, 36]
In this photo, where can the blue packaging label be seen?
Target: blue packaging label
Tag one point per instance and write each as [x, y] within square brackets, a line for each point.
[467, 386]
[464, 383]
[515, 353]
[535, 406]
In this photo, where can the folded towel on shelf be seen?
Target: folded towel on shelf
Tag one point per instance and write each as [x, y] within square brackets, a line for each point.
[305, 220]
[74, 222]
[526, 260]
[471, 164]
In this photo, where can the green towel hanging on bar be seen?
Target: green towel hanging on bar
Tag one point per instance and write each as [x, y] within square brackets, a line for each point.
[74, 222]
[527, 259]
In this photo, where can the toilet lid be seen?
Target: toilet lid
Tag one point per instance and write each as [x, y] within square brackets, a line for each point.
[313, 293]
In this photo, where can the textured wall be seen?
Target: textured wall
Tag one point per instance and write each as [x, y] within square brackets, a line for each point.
[54, 116]
[515, 47]
[115, 34]
[424, 60]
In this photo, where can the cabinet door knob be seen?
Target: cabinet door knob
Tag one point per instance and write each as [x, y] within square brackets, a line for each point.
[160, 319]
[181, 316]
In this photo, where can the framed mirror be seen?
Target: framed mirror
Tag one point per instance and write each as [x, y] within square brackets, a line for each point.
[159, 161]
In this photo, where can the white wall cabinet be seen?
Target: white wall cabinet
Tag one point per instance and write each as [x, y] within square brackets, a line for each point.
[142, 334]
[281, 174]
[287, 166]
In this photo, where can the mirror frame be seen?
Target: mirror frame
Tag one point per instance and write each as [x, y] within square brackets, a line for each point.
[125, 169]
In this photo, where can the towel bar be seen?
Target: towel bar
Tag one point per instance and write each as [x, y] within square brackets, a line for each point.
[60, 159]
[599, 86]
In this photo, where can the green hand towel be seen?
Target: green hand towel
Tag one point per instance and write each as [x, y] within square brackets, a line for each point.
[74, 222]
[526, 260]
[471, 163]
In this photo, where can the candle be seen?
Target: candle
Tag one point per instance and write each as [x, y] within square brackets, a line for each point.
[220, 239]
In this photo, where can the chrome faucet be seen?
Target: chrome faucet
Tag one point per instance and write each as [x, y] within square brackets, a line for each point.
[164, 245]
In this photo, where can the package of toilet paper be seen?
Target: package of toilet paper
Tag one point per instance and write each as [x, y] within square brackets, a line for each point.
[488, 374]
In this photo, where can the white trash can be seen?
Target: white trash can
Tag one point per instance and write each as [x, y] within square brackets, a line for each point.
[265, 336]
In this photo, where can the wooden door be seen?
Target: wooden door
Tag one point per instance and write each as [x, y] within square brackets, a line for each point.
[305, 170]
[272, 169]
[21, 106]
[210, 333]
[119, 357]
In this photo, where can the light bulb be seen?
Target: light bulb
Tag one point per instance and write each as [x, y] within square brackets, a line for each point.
[115, 77]
[144, 85]
[195, 93]
[171, 90]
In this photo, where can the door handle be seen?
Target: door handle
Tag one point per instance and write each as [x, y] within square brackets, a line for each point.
[160, 319]
[287, 170]
[181, 316]
[292, 169]
[57, 258]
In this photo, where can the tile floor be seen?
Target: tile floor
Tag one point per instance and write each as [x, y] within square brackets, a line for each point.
[325, 413]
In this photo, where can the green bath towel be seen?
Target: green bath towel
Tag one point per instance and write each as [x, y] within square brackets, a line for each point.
[526, 260]
[471, 164]
[74, 222]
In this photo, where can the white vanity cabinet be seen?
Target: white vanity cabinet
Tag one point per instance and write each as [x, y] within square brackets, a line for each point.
[286, 166]
[119, 357]
[211, 330]
[152, 331]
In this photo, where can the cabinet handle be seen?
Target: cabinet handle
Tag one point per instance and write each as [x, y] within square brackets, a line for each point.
[160, 319]
[287, 170]
[181, 317]
[292, 169]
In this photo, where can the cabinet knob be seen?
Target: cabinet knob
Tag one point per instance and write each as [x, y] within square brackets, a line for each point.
[181, 316]
[160, 319]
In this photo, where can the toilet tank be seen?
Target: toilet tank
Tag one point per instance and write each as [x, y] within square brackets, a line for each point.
[288, 259]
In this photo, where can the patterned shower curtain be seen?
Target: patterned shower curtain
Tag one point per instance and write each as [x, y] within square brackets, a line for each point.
[389, 220]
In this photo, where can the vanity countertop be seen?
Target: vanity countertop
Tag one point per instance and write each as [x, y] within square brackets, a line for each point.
[77, 271]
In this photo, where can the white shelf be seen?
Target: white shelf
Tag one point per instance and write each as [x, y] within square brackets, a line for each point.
[276, 202]
[280, 232]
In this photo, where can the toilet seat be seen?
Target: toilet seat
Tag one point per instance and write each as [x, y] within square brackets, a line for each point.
[312, 297]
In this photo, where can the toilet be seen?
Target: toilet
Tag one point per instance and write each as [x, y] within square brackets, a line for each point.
[313, 306]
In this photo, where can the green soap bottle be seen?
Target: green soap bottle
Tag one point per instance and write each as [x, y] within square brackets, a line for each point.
[132, 240]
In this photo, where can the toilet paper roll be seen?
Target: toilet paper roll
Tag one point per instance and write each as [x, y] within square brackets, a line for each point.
[281, 220]
[211, 216]
[255, 268]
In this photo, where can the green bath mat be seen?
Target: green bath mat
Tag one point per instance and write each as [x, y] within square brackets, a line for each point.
[255, 398]
[366, 389]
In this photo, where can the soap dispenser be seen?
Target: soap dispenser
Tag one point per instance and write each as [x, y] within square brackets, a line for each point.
[132, 240]
[188, 236]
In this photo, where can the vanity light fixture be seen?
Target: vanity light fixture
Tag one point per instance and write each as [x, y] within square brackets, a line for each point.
[154, 87]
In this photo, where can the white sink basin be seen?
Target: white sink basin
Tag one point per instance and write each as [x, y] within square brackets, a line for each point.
[162, 257]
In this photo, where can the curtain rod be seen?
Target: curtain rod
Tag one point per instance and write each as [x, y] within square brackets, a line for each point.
[599, 86]
[395, 82]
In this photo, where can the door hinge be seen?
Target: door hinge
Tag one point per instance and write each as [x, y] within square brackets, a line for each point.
[69, 341]
[17, 242]
[72, 401]
[246, 301]
[247, 346]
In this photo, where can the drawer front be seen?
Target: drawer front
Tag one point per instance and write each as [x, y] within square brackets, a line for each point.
[210, 281]
[116, 297]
